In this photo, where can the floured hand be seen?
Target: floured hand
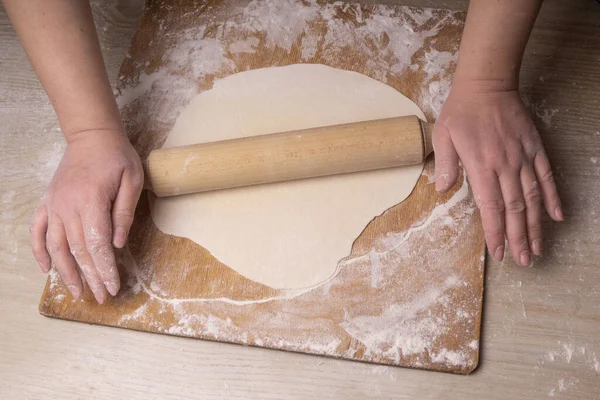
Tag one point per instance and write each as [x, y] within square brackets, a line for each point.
[492, 134]
[87, 209]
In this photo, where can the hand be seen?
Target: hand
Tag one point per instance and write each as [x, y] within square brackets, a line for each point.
[87, 209]
[492, 134]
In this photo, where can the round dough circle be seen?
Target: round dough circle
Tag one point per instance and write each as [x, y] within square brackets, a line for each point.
[287, 235]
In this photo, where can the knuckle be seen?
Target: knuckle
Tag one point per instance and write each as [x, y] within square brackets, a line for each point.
[77, 250]
[518, 239]
[510, 159]
[515, 207]
[547, 177]
[54, 246]
[491, 205]
[495, 231]
[124, 214]
[531, 145]
[137, 179]
[532, 196]
[97, 204]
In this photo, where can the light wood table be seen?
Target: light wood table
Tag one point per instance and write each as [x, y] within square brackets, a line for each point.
[541, 333]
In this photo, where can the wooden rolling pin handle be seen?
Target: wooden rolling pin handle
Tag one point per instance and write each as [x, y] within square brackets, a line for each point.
[330, 150]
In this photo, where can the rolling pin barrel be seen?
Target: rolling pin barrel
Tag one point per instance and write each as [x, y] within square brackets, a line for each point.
[314, 152]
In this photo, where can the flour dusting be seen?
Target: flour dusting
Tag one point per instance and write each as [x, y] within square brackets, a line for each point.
[244, 46]
[391, 39]
[396, 43]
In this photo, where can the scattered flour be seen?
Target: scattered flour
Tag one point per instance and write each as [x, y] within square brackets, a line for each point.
[449, 357]
[563, 385]
[410, 326]
[138, 314]
[391, 41]
[393, 44]
[244, 45]
[568, 352]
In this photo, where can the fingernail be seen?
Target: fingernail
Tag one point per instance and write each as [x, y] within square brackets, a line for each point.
[120, 237]
[499, 254]
[112, 288]
[74, 291]
[559, 214]
[525, 259]
[536, 246]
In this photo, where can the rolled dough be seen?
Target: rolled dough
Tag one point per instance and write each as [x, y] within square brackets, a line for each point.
[285, 235]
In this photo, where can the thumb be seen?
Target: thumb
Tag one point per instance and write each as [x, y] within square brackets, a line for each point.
[123, 208]
[446, 158]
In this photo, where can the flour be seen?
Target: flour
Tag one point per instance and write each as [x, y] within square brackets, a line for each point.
[391, 41]
[568, 353]
[54, 279]
[282, 20]
[244, 46]
[563, 385]
[411, 326]
[139, 314]
[441, 212]
[450, 357]
[376, 266]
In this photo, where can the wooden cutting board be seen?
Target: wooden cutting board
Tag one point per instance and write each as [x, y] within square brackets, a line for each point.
[410, 291]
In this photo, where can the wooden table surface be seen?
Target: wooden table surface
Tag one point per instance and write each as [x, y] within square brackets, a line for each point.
[541, 332]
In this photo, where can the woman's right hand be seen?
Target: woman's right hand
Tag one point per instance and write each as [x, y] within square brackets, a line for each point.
[88, 208]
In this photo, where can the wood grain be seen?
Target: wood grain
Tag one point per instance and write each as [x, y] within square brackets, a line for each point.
[534, 317]
[285, 156]
[410, 291]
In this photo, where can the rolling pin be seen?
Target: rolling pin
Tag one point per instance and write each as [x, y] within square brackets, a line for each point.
[329, 150]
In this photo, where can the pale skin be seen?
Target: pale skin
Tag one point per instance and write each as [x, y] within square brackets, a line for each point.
[89, 206]
[486, 126]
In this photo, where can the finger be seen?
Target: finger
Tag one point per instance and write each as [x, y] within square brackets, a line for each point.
[124, 209]
[533, 209]
[446, 158]
[37, 234]
[58, 249]
[97, 232]
[488, 197]
[545, 179]
[79, 251]
[515, 217]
